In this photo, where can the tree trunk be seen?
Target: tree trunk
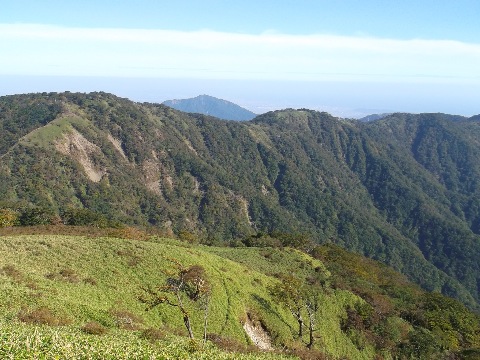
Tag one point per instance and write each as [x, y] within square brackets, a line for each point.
[311, 309]
[205, 320]
[311, 329]
[300, 326]
[186, 320]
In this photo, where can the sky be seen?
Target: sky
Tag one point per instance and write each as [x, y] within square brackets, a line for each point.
[347, 57]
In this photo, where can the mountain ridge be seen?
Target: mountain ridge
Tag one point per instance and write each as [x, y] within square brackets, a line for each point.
[403, 190]
[209, 105]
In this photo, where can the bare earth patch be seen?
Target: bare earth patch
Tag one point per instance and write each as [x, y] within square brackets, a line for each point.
[257, 334]
[75, 145]
[117, 144]
[152, 174]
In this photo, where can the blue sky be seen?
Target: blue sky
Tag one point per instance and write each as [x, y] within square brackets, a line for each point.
[347, 57]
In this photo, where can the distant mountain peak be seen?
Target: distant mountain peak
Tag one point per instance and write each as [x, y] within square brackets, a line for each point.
[373, 117]
[209, 105]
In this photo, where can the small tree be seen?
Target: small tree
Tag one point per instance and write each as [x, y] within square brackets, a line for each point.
[312, 304]
[300, 297]
[289, 292]
[183, 284]
[200, 291]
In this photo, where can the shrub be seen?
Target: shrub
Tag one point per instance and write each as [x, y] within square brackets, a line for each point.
[42, 316]
[126, 232]
[94, 328]
[37, 216]
[83, 217]
[153, 335]
[8, 217]
[188, 237]
[261, 240]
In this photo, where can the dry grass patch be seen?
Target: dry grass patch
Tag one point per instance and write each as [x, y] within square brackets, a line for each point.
[42, 316]
[231, 345]
[13, 273]
[124, 319]
[132, 258]
[123, 232]
[90, 280]
[153, 335]
[68, 275]
[94, 328]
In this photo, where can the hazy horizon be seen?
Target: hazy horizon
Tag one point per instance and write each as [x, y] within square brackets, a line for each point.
[260, 96]
[350, 58]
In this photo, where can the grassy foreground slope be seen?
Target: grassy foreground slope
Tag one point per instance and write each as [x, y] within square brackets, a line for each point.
[74, 280]
[67, 283]
[29, 342]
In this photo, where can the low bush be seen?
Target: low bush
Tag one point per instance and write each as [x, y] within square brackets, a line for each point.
[153, 335]
[8, 218]
[230, 345]
[94, 328]
[42, 316]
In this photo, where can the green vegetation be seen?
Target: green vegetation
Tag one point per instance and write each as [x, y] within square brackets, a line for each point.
[403, 190]
[183, 284]
[75, 296]
[21, 341]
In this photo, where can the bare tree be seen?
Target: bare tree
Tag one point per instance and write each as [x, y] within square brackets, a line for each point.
[183, 285]
[312, 305]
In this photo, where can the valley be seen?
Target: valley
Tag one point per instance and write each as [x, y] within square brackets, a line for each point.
[292, 196]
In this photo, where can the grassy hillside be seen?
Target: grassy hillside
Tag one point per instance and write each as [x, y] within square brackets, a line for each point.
[404, 190]
[81, 279]
[59, 290]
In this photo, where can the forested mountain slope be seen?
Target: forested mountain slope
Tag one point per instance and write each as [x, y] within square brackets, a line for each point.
[404, 189]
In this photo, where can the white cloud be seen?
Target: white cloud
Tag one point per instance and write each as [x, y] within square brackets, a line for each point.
[30, 49]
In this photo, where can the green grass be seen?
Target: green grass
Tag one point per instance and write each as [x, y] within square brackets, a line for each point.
[19, 341]
[81, 279]
[274, 261]
[53, 131]
[77, 296]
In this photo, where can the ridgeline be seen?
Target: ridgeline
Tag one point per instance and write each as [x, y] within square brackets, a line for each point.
[404, 190]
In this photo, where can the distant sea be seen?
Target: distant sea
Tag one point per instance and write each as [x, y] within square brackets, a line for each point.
[349, 99]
